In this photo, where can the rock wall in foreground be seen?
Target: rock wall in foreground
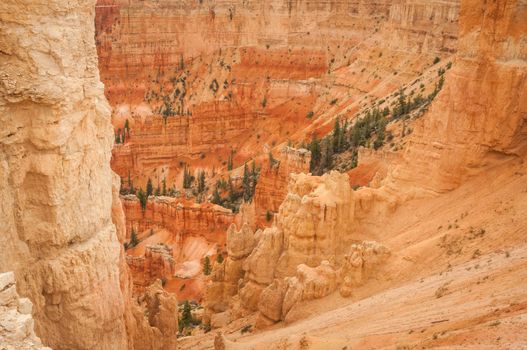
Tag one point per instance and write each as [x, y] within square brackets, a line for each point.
[56, 230]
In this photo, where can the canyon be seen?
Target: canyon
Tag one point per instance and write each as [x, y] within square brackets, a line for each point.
[263, 175]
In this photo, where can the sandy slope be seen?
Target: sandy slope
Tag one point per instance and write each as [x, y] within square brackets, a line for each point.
[456, 279]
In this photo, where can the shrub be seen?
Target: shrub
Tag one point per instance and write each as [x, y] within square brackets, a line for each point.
[246, 329]
[268, 215]
[214, 86]
[437, 60]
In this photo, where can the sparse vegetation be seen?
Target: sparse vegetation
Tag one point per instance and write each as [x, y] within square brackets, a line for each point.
[246, 329]
[235, 195]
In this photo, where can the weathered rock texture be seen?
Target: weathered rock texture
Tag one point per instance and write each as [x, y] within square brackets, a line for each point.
[316, 219]
[360, 262]
[55, 176]
[271, 188]
[226, 276]
[16, 322]
[305, 255]
[57, 233]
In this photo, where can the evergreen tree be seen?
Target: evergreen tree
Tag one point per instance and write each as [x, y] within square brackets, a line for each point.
[149, 188]
[186, 316]
[143, 198]
[133, 239]
[246, 184]
[328, 155]
[229, 161]
[187, 178]
[164, 192]
[316, 154]
[337, 136]
[201, 182]
[219, 258]
[206, 266]
[254, 178]
[272, 161]
[216, 198]
[127, 127]
[181, 62]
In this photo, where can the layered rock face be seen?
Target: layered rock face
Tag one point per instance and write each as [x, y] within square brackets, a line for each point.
[480, 116]
[180, 217]
[57, 233]
[215, 80]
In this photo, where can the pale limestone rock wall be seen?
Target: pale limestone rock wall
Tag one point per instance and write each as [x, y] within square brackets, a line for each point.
[57, 206]
[55, 176]
[16, 322]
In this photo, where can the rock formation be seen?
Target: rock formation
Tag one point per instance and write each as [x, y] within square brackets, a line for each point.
[156, 263]
[271, 188]
[302, 257]
[359, 263]
[16, 322]
[225, 277]
[316, 219]
[58, 236]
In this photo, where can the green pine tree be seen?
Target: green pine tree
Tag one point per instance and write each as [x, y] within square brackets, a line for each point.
[206, 266]
[246, 184]
[133, 239]
[316, 154]
[143, 198]
[201, 182]
[164, 192]
[186, 316]
[149, 188]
